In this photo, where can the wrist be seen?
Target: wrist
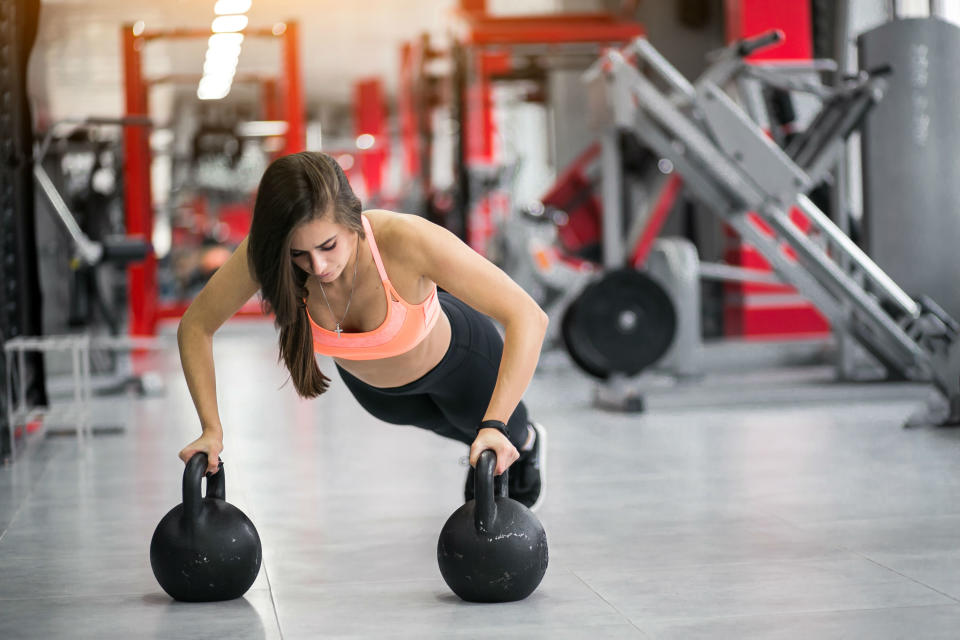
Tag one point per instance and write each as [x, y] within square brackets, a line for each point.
[213, 430]
[494, 424]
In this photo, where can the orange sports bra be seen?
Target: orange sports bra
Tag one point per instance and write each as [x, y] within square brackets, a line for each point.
[405, 326]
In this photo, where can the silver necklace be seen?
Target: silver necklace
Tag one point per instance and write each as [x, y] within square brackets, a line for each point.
[352, 285]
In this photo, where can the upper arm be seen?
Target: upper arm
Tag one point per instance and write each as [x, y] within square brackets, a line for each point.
[223, 295]
[446, 260]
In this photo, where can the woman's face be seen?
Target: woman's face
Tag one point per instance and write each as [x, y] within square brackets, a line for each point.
[322, 248]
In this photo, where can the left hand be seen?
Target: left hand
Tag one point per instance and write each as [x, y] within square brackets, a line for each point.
[507, 454]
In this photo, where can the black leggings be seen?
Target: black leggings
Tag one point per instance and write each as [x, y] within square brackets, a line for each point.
[451, 398]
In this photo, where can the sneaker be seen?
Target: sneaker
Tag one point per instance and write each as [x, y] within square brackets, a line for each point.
[525, 481]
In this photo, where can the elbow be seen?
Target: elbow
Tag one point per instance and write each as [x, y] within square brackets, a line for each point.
[189, 327]
[543, 318]
[539, 318]
[183, 330]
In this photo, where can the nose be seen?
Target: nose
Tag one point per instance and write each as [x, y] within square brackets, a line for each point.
[317, 263]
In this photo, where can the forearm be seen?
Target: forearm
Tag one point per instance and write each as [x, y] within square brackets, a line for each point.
[196, 359]
[521, 351]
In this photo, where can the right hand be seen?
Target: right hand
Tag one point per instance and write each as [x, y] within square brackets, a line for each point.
[208, 444]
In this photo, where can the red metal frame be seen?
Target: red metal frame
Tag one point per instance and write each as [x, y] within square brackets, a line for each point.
[143, 304]
[746, 18]
[485, 38]
[549, 29]
[138, 202]
[370, 117]
[665, 201]
[755, 310]
[293, 90]
[407, 108]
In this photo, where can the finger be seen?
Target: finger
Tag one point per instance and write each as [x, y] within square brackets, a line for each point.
[502, 461]
[474, 455]
[509, 456]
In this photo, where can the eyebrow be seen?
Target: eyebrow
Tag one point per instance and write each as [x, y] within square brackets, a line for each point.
[325, 242]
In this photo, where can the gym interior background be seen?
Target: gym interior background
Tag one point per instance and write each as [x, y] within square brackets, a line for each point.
[740, 215]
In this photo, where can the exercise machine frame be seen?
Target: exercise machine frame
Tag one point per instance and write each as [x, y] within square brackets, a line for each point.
[730, 165]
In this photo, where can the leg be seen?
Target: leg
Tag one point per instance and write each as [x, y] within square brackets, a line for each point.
[463, 388]
[462, 393]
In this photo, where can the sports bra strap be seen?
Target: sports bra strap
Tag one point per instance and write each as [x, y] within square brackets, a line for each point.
[373, 249]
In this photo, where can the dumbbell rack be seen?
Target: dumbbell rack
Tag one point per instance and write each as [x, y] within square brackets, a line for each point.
[77, 411]
[729, 164]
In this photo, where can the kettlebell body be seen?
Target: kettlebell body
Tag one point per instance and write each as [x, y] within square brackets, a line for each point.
[205, 549]
[492, 549]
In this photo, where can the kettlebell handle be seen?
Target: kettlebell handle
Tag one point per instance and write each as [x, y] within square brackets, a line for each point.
[192, 475]
[485, 508]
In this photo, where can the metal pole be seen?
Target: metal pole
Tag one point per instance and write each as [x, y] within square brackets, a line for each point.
[612, 189]
[87, 392]
[77, 388]
[137, 197]
[667, 71]
[293, 89]
[873, 272]
[10, 412]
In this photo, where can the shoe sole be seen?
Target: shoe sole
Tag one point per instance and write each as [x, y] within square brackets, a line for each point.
[542, 437]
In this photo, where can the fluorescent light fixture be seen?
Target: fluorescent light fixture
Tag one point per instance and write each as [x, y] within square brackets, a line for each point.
[217, 80]
[229, 24]
[365, 141]
[218, 40]
[212, 93]
[219, 68]
[262, 128]
[225, 7]
[232, 54]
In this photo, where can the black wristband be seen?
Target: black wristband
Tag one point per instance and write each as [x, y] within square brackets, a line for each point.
[494, 424]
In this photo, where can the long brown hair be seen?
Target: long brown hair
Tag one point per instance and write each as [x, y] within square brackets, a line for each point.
[295, 189]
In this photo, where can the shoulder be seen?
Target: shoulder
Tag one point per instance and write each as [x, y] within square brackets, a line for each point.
[401, 232]
[410, 239]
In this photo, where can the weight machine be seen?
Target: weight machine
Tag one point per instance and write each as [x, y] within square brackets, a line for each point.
[729, 164]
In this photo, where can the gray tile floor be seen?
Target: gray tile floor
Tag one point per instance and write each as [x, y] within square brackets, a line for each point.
[752, 504]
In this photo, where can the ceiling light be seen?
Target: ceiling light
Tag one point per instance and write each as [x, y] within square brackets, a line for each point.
[211, 91]
[229, 24]
[219, 67]
[225, 7]
[223, 54]
[225, 39]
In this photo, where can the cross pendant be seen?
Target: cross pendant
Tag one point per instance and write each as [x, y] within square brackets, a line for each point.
[338, 329]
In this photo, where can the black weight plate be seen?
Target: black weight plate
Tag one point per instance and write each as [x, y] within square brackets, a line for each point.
[622, 323]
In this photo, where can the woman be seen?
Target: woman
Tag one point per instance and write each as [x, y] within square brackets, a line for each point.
[362, 287]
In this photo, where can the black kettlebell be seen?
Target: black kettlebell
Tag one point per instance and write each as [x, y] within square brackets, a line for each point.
[205, 549]
[492, 549]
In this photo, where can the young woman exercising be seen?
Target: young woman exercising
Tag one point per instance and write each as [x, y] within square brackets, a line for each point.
[362, 288]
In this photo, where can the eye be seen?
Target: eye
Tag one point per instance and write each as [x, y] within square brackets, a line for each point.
[330, 248]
